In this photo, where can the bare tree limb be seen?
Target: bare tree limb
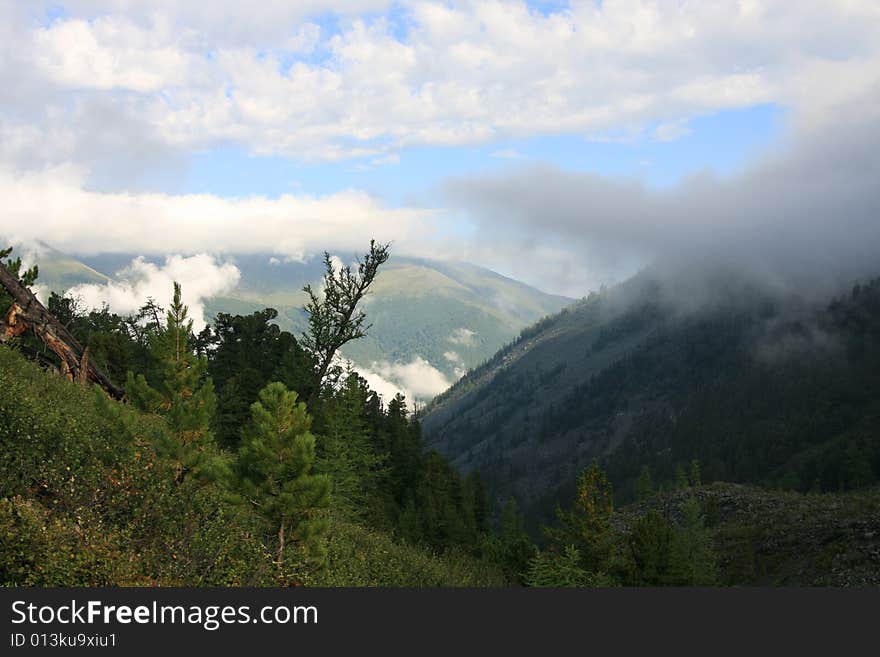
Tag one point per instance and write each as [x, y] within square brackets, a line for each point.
[27, 312]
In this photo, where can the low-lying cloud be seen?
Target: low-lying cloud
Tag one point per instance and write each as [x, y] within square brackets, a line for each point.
[457, 363]
[463, 337]
[417, 380]
[200, 276]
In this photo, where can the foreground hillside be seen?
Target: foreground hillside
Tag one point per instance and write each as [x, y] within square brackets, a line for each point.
[757, 387]
[86, 500]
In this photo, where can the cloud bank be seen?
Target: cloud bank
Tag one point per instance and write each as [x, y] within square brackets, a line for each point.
[54, 206]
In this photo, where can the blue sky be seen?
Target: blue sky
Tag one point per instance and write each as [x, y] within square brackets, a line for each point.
[721, 143]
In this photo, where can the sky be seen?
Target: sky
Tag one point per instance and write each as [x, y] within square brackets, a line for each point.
[565, 144]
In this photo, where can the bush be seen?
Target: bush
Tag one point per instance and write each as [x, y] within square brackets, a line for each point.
[358, 556]
[85, 500]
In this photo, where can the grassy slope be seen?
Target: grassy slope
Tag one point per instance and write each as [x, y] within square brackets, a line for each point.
[85, 501]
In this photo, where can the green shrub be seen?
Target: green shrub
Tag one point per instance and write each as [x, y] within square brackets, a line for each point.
[86, 501]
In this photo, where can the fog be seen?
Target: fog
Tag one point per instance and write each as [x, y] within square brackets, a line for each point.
[803, 218]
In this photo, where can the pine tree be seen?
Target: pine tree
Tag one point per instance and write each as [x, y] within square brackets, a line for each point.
[644, 487]
[248, 352]
[516, 547]
[273, 472]
[650, 551]
[694, 562]
[681, 478]
[181, 393]
[587, 525]
[346, 454]
[555, 569]
[477, 497]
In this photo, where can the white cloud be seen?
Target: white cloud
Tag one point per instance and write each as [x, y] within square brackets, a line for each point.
[111, 52]
[671, 131]
[200, 276]
[507, 154]
[452, 357]
[384, 388]
[459, 369]
[336, 263]
[805, 215]
[115, 92]
[417, 380]
[463, 336]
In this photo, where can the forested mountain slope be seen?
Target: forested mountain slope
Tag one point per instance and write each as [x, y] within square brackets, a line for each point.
[758, 386]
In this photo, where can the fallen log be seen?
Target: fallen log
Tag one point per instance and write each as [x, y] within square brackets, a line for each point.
[27, 312]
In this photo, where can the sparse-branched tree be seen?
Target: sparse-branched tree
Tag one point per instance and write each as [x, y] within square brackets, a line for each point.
[334, 318]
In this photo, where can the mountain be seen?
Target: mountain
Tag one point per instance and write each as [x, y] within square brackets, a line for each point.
[450, 315]
[58, 271]
[757, 385]
[431, 321]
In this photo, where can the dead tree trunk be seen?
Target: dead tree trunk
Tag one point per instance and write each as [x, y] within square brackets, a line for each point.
[27, 312]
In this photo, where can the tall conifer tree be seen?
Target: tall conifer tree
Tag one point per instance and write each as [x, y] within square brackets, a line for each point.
[181, 392]
[273, 472]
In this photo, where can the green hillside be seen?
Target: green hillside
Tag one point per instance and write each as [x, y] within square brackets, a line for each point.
[87, 482]
[451, 315]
